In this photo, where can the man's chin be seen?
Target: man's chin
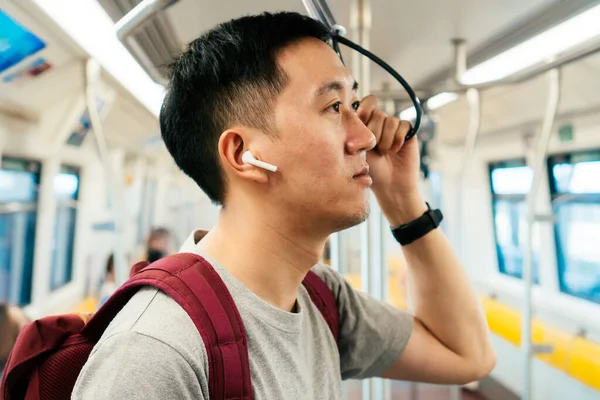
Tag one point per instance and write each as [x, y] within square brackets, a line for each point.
[353, 219]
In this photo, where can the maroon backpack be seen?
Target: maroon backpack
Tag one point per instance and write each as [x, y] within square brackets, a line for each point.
[49, 353]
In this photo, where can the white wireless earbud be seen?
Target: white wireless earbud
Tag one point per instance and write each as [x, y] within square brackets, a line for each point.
[248, 158]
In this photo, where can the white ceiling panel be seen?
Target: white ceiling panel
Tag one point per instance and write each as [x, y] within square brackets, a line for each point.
[413, 36]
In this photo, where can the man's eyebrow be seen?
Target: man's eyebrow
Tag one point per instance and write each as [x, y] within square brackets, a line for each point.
[333, 86]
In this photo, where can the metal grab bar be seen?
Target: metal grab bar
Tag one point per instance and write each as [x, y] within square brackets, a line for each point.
[539, 158]
[319, 10]
[92, 76]
[460, 55]
[132, 21]
[468, 151]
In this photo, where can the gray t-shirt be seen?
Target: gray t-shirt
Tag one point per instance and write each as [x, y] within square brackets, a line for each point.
[152, 350]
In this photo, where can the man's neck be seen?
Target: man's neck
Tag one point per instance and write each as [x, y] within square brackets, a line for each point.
[268, 257]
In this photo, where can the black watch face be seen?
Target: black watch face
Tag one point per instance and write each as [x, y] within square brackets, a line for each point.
[437, 217]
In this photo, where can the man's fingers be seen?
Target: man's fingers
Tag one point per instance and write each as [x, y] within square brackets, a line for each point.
[390, 133]
[403, 128]
[388, 136]
[367, 106]
[375, 124]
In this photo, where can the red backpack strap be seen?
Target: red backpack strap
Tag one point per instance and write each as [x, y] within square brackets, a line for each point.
[193, 283]
[324, 299]
[137, 267]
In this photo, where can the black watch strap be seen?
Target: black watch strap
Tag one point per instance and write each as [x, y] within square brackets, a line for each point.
[408, 233]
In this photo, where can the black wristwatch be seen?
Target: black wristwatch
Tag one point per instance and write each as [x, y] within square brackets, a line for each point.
[408, 233]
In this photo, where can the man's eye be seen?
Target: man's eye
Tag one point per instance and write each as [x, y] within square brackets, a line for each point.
[335, 107]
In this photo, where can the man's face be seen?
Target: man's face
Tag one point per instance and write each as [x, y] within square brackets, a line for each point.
[322, 144]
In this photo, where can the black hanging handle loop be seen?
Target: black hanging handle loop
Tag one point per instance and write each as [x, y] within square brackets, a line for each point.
[337, 33]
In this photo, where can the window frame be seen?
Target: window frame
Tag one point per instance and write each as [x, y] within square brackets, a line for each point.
[30, 208]
[494, 197]
[571, 198]
[69, 204]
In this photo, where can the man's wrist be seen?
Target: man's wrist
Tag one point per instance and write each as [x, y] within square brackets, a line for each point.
[402, 208]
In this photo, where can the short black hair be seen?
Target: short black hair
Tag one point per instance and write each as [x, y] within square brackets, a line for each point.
[227, 76]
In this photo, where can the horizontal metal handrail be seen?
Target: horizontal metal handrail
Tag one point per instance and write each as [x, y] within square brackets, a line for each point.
[132, 21]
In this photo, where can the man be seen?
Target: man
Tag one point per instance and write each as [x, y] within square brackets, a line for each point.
[270, 84]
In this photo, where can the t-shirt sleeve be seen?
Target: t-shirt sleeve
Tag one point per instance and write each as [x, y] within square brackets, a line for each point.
[373, 333]
[131, 365]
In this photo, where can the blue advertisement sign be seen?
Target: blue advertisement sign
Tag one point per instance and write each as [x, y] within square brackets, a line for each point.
[16, 42]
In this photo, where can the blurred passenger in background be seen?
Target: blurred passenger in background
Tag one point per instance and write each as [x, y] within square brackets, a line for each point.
[12, 319]
[109, 284]
[159, 244]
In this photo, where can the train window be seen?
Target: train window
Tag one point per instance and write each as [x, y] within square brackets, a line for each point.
[510, 183]
[19, 184]
[575, 191]
[66, 190]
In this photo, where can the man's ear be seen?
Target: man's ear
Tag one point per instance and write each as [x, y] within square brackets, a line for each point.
[232, 145]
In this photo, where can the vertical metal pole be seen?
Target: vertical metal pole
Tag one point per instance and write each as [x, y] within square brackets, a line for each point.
[537, 164]
[319, 10]
[455, 392]
[365, 284]
[18, 254]
[92, 75]
[370, 232]
[473, 98]
[389, 107]
[460, 58]
[474, 102]
[414, 391]
[376, 270]
[365, 41]
[386, 389]
[410, 306]
[334, 251]
[468, 151]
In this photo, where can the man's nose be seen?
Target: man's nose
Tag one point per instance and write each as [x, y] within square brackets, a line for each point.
[360, 138]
